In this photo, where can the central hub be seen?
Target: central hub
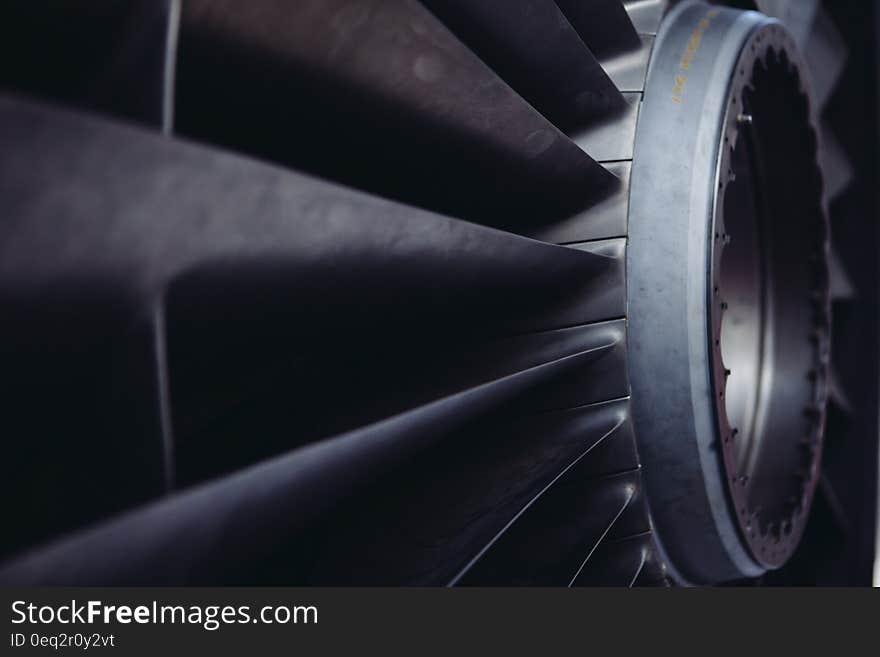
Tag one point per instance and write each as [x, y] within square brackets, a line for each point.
[727, 293]
[770, 309]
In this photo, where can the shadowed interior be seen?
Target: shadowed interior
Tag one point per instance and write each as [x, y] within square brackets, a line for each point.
[773, 286]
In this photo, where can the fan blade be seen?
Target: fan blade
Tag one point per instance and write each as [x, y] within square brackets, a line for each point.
[245, 285]
[797, 16]
[550, 542]
[453, 507]
[826, 55]
[532, 46]
[607, 29]
[418, 116]
[604, 25]
[645, 15]
[249, 516]
[605, 219]
[837, 171]
[612, 139]
[841, 287]
[85, 403]
[112, 56]
[632, 561]
[629, 70]
[837, 393]
[838, 512]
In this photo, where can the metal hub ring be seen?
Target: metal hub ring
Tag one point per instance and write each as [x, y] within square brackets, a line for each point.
[727, 293]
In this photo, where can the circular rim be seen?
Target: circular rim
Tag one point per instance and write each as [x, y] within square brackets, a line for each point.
[771, 527]
[673, 366]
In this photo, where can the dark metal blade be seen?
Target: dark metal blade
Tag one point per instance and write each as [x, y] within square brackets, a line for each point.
[531, 45]
[379, 95]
